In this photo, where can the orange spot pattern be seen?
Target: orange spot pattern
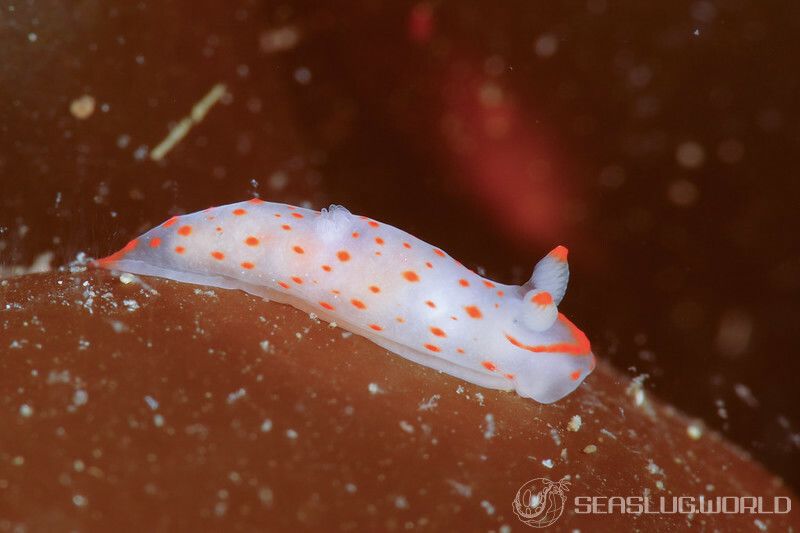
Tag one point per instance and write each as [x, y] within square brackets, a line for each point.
[376, 327]
[473, 311]
[343, 255]
[542, 298]
[286, 227]
[170, 222]
[219, 256]
[358, 304]
[560, 253]
[297, 280]
[185, 231]
[410, 275]
[463, 283]
[438, 332]
[326, 268]
[251, 241]
[239, 212]
[327, 306]
[248, 265]
[375, 288]
[155, 242]
[179, 249]
[298, 250]
[488, 365]
[433, 347]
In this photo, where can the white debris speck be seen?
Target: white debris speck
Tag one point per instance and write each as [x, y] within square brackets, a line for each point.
[130, 305]
[374, 388]
[547, 463]
[80, 397]
[555, 436]
[302, 76]
[32, 37]
[479, 397]
[266, 496]
[25, 410]
[654, 469]
[546, 45]
[151, 402]
[694, 431]
[278, 39]
[660, 485]
[401, 502]
[126, 278]
[264, 345]
[431, 403]
[82, 107]
[489, 432]
[18, 460]
[351, 488]
[745, 394]
[80, 500]
[590, 449]
[488, 507]
[405, 426]
[78, 465]
[574, 423]
[158, 420]
[236, 395]
[607, 433]
[266, 425]
[292, 434]
[760, 525]
[636, 390]
[461, 488]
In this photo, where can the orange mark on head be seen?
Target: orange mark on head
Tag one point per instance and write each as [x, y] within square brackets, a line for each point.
[219, 256]
[251, 241]
[286, 227]
[375, 288]
[438, 332]
[463, 283]
[179, 249]
[432, 347]
[410, 275]
[473, 311]
[358, 304]
[579, 347]
[155, 242]
[488, 365]
[298, 250]
[185, 230]
[239, 212]
[373, 223]
[379, 241]
[326, 268]
[560, 253]
[327, 306]
[170, 222]
[376, 327]
[247, 265]
[542, 298]
[430, 304]
[574, 376]
[343, 255]
[438, 252]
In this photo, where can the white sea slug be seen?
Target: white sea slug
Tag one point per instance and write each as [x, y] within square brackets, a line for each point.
[380, 282]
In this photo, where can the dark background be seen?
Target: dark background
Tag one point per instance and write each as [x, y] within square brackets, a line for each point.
[657, 140]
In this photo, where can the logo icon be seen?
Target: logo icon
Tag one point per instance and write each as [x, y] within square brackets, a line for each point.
[540, 502]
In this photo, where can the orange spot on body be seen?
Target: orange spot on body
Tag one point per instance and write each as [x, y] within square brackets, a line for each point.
[430, 304]
[579, 347]
[277, 215]
[542, 298]
[488, 365]
[155, 242]
[473, 311]
[219, 229]
[356, 235]
[297, 215]
[428, 264]
[438, 332]
[326, 305]
[406, 245]
[400, 319]
[379, 241]
[463, 283]
[376, 327]
[239, 212]
[574, 376]
[286, 227]
[375, 288]
[170, 222]
[247, 265]
[433, 347]
[509, 376]
[343, 255]
[219, 256]
[560, 253]
[500, 294]
[298, 250]
[438, 252]
[256, 201]
[489, 284]
[297, 280]
[179, 249]
[373, 223]
[251, 241]
[326, 268]
[185, 231]
[410, 275]
[460, 350]
[358, 304]
[284, 285]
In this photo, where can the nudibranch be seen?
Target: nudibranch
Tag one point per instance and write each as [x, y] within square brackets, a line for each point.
[382, 283]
